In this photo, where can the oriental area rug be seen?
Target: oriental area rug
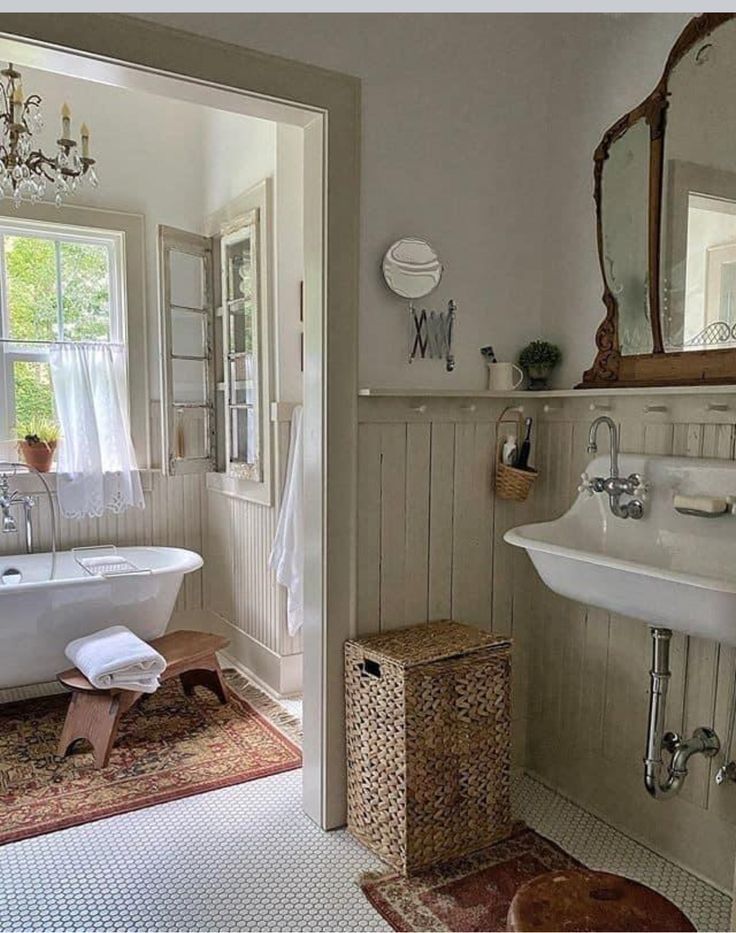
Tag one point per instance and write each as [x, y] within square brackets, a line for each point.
[469, 894]
[168, 747]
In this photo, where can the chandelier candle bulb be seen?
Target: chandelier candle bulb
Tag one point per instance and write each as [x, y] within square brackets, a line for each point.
[66, 122]
[17, 103]
[84, 132]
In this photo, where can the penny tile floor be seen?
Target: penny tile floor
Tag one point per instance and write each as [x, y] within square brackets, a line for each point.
[247, 858]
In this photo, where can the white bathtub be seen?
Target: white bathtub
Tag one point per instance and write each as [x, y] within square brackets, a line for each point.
[39, 617]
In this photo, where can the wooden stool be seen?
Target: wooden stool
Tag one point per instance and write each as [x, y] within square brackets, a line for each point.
[95, 714]
[583, 900]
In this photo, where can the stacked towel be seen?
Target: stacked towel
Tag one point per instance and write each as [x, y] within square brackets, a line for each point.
[116, 659]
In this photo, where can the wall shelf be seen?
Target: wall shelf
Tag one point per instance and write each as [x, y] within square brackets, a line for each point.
[405, 392]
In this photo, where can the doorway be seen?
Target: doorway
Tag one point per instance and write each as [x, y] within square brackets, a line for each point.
[122, 52]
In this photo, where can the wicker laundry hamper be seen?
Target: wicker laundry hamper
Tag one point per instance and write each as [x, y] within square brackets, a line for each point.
[428, 742]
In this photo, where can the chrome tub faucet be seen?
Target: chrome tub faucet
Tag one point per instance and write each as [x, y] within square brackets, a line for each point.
[7, 500]
[614, 485]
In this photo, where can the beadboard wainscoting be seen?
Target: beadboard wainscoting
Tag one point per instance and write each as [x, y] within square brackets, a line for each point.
[242, 598]
[589, 668]
[431, 546]
[430, 528]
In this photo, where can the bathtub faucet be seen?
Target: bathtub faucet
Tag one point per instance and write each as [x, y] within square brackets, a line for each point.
[7, 500]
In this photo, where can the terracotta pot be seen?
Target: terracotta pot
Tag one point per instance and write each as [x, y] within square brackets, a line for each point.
[39, 456]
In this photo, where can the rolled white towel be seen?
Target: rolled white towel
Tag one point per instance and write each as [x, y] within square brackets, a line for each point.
[115, 658]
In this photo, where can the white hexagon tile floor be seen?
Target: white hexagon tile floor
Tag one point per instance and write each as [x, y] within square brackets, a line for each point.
[241, 858]
[247, 858]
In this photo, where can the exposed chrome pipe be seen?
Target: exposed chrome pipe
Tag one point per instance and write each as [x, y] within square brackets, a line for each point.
[703, 740]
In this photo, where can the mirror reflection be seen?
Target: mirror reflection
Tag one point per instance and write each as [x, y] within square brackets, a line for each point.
[624, 199]
[698, 282]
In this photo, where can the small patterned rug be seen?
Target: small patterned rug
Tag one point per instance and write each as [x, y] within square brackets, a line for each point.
[470, 894]
[172, 746]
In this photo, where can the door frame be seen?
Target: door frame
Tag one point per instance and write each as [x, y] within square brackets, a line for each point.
[332, 141]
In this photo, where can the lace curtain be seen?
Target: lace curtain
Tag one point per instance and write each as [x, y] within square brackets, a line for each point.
[97, 469]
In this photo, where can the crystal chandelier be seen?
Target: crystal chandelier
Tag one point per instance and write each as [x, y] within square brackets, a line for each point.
[26, 173]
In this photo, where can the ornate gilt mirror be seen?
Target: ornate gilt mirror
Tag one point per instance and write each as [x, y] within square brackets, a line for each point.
[665, 195]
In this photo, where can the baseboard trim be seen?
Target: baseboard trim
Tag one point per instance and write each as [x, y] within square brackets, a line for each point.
[279, 675]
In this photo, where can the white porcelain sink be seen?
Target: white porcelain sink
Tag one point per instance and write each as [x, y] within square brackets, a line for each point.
[668, 569]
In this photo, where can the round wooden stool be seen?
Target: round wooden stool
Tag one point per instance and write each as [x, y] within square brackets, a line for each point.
[583, 900]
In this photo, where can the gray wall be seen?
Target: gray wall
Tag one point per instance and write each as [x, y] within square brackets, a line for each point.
[479, 131]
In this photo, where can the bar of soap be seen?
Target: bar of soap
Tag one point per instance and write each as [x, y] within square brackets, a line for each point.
[711, 505]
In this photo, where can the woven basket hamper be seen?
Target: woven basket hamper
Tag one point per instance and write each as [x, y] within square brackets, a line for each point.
[428, 742]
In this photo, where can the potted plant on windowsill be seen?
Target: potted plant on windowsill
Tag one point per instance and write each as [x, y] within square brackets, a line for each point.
[538, 359]
[37, 442]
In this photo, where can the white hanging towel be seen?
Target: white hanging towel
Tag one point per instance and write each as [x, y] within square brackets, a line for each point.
[287, 553]
[117, 659]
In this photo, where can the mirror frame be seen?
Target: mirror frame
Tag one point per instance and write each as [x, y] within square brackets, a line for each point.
[610, 368]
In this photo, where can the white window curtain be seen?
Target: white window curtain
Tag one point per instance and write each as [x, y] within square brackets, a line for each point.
[97, 470]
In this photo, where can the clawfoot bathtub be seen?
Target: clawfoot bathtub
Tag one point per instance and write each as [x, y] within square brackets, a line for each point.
[40, 616]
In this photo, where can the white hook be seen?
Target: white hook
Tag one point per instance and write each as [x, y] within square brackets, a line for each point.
[470, 407]
[600, 406]
[548, 407]
[419, 409]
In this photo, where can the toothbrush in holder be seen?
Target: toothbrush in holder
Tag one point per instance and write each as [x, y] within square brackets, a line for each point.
[522, 462]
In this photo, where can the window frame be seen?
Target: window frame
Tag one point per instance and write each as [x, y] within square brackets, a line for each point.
[172, 239]
[31, 352]
[131, 227]
[244, 228]
[253, 207]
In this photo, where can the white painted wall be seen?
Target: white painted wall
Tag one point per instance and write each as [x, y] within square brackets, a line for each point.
[237, 153]
[706, 229]
[289, 235]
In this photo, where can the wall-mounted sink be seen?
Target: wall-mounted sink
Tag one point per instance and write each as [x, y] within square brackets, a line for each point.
[667, 569]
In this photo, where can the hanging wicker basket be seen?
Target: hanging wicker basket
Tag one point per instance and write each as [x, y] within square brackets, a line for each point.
[512, 483]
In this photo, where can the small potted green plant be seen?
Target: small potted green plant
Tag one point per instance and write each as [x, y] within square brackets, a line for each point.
[37, 442]
[538, 359]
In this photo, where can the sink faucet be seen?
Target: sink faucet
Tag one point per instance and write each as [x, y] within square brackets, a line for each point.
[7, 500]
[615, 485]
[613, 440]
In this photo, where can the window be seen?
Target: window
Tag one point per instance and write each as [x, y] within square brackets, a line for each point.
[215, 387]
[57, 283]
[238, 252]
[187, 383]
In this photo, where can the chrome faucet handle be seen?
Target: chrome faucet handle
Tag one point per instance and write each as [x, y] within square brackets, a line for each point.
[586, 485]
[640, 486]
